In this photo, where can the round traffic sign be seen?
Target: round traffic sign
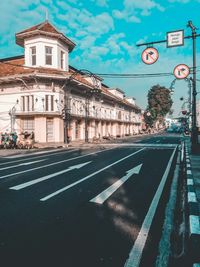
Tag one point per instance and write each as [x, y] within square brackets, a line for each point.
[150, 55]
[181, 71]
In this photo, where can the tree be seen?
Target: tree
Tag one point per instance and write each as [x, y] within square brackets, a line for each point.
[159, 104]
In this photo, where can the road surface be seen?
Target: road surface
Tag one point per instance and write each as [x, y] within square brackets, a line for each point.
[92, 207]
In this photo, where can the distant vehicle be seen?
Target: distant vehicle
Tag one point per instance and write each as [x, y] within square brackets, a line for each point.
[170, 130]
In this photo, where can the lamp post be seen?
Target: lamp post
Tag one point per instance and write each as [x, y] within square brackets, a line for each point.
[194, 137]
[94, 91]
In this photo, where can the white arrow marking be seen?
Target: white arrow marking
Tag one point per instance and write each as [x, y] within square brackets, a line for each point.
[22, 164]
[89, 176]
[103, 196]
[139, 244]
[21, 186]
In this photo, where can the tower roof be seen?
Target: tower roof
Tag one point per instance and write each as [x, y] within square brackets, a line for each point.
[47, 29]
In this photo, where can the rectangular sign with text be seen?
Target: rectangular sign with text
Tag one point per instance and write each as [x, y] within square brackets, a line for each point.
[175, 38]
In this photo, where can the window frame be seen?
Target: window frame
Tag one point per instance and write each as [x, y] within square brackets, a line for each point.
[33, 55]
[62, 60]
[48, 55]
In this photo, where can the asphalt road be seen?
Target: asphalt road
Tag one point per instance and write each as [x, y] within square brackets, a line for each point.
[88, 207]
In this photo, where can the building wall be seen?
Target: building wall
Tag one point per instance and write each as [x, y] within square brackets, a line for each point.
[26, 105]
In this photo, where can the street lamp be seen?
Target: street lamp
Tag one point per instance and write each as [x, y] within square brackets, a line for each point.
[93, 89]
[194, 137]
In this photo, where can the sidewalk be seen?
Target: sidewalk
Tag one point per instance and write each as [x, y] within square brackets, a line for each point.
[193, 201]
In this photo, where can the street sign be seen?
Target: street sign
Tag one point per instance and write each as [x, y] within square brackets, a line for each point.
[181, 71]
[175, 38]
[150, 55]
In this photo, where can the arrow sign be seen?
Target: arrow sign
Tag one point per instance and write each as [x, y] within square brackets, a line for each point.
[181, 71]
[150, 55]
[103, 196]
[21, 186]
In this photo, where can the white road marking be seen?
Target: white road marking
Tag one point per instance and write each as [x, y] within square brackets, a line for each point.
[52, 164]
[103, 196]
[22, 164]
[19, 160]
[31, 154]
[138, 247]
[87, 177]
[144, 145]
[21, 186]
[190, 182]
[192, 197]
[189, 172]
[194, 224]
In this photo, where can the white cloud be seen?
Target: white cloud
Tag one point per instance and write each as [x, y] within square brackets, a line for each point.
[180, 1]
[183, 1]
[134, 9]
[101, 3]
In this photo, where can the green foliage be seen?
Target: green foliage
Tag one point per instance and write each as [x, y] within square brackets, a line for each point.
[159, 104]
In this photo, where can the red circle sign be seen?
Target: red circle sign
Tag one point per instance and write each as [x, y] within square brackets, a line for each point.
[181, 71]
[150, 55]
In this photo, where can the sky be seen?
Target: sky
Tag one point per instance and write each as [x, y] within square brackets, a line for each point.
[106, 33]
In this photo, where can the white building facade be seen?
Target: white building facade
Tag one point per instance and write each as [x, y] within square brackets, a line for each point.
[41, 93]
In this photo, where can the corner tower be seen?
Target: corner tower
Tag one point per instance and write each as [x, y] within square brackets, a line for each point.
[45, 46]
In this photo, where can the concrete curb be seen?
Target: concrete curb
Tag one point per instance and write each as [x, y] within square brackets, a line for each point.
[193, 213]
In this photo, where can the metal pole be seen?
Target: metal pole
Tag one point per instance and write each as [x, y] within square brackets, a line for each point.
[64, 117]
[67, 117]
[86, 117]
[194, 137]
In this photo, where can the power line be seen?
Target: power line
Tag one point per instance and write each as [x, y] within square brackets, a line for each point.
[117, 75]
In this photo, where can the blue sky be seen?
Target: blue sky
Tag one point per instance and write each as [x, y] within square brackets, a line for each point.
[106, 33]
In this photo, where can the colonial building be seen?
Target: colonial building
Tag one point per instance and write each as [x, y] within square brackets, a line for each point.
[41, 93]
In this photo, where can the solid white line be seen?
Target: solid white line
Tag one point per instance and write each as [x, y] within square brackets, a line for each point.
[19, 160]
[172, 146]
[194, 224]
[89, 176]
[54, 163]
[136, 252]
[22, 164]
[41, 179]
[192, 197]
[31, 154]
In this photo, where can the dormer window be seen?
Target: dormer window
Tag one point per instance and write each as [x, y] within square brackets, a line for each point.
[48, 55]
[33, 55]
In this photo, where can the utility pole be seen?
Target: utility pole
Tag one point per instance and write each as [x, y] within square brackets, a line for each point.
[12, 118]
[194, 138]
[194, 135]
[87, 105]
[66, 115]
